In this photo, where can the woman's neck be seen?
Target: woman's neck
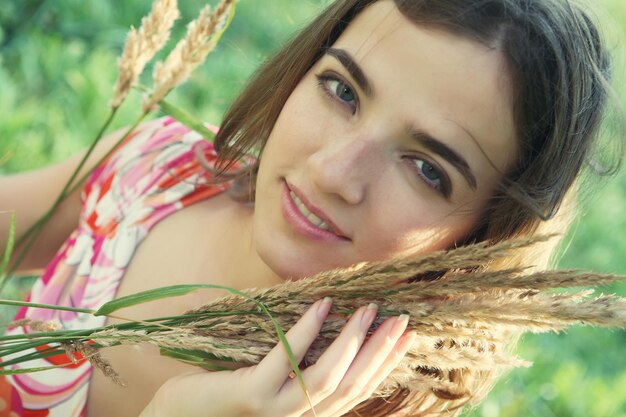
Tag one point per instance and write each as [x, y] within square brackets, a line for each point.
[242, 264]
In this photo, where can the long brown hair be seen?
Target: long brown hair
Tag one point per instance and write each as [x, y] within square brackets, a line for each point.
[560, 68]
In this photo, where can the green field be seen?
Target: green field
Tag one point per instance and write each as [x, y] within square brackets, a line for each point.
[57, 68]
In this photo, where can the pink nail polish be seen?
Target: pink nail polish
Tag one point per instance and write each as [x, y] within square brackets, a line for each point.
[324, 308]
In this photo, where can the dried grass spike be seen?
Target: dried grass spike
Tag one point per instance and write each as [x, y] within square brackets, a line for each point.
[202, 36]
[141, 45]
[99, 362]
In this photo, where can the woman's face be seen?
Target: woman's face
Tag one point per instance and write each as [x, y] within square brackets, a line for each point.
[393, 142]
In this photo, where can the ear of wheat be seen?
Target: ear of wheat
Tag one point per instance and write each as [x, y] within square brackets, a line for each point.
[202, 36]
[141, 46]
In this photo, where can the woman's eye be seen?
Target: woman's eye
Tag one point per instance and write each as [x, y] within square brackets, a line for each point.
[338, 90]
[341, 90]
[432, 176]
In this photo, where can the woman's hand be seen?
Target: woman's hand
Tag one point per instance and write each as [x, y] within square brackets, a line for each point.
[344, 376]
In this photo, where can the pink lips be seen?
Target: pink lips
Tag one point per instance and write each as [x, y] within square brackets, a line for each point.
[300, 223]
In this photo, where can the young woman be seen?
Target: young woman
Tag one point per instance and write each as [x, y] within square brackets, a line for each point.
[384, 128]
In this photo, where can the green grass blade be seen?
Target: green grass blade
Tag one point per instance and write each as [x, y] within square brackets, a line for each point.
[187, 119]
[40, 354]
[290, 355]
[157, 294]
[30, 370]
[231, 15]
[8, 251]
[47, 306]
[195, 358]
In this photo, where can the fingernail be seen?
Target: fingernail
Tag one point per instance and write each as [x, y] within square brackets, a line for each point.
[324, 308]
[368, 316]
[399, 326]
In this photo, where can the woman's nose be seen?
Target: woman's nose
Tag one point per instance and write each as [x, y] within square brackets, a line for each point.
[346, 168]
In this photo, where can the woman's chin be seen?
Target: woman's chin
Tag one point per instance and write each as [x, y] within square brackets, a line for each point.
[297, 267]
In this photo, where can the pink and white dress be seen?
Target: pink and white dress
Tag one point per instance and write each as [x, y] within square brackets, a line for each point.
[151, 175]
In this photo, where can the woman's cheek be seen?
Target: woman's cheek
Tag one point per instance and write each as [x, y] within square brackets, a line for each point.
[416, 227]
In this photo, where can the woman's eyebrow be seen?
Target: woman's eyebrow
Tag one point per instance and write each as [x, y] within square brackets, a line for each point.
[352, 67]
[448, 154]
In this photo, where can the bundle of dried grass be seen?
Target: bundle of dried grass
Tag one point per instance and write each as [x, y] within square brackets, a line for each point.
[464, 314]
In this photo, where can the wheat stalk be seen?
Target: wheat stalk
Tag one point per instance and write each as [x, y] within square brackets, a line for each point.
[202, 36]
[141, 45]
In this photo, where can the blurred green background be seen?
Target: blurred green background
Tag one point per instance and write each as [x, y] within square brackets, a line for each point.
[57, 68]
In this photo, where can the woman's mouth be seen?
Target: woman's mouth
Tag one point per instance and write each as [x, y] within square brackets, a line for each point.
[309, 215]
[306, 219]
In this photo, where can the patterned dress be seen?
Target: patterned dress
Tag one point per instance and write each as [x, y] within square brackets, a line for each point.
[154, 173]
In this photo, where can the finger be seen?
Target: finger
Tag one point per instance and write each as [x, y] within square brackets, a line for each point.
[359, 377]
[323, 378]
[273, 370]
[391, 362]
